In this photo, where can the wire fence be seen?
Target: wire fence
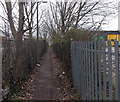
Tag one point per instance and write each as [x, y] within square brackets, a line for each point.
[96, 69]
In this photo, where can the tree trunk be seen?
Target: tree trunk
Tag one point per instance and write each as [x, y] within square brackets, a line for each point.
[18, 68]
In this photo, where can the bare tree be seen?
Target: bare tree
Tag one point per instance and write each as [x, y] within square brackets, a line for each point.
[29, 15]
[86, 14]
[17, 34]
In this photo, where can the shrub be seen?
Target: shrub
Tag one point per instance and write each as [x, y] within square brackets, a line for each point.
[63, 52]
[28, 60]
[78, 35]
[61, 46]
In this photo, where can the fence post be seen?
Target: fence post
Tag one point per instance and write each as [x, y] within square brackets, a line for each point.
[104, 68]
[89, 69]
[118, 73]
[83, 69]
[110, 70]
[92, 70]
[86, 70]
[119, 82]
[116, 70]
[72, 60]
[99, 69]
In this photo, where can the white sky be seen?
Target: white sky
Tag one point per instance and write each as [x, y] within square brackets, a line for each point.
[113, 23]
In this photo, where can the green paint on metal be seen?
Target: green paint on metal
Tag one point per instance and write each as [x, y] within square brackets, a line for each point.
[101, 37]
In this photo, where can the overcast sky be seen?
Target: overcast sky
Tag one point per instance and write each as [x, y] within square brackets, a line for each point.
[112, 25]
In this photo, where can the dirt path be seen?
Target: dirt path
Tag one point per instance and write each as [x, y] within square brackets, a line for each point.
[48, 81]
[44, 79]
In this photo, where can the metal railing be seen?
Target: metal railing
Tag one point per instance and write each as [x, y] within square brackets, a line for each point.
[96, 69]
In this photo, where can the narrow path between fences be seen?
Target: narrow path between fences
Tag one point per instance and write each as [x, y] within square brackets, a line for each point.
[49, 81]
[44, 79]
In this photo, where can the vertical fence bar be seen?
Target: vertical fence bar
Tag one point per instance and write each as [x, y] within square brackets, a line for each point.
[116, 69]
[104, 68]
[72, 60]
[99, 69]
[96, 75]
[77, 66]
[81, 69]
[84, 67]
[87, 64]
[80, 65]
[110, 70]
[92, 71]
[89, 70]
[79, 48]
[86, 93]
[84, 70]
[119, 75]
